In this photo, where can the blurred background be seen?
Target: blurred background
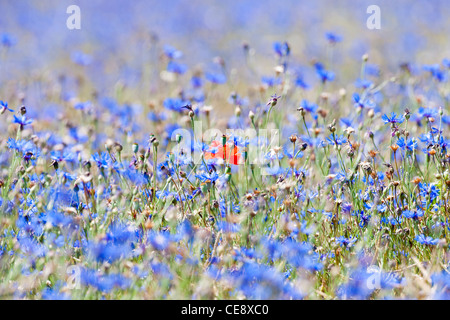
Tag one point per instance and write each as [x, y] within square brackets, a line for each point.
[121, 41]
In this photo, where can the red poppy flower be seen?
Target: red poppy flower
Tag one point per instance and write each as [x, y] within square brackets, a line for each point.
[228, 153]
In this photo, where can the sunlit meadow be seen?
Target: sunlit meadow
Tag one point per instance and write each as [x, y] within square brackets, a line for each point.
[210, 150]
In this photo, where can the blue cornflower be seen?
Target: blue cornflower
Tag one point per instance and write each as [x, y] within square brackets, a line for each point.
[322, 73]
[172, 53]
[104, 251]
[287, 151]
[53, 294]
[208, 177]
[216, 78]
[161, 269]
[446, 63]
[372, 70]
[363, 281]
[274, 170]
[391, 220]
[428, 241]
[430, 190]
[156, 117]
[259, 282]
[22, 121]
[7, 40]
[309, 107]
[102, 160]
[413, 214]
[305, 229]
[436, 72]
[381, 208]
[410, 146]
[223, 208]
[120, 233]
[281, 49]
[432, 139]
[364, 219]
[299, 82]
[346, 242]
[272, 155]
[427, 138]
[393, 118]
[82, 105]
[175, 104]
[176, 67]
[237, 100]
[359, 102]
[160, 240]
[333, 38]
[239, 141]
[426, 113]
[363, 83]
[62, 155]
[81, 58]
[22, 146]
[346, 206]
[31, 247]
[228, 227]
[197, 82]
[271, 81]
[299, 172]
[4, 107]
[58, 219]
[346, 122]
[104, 282]
[435, 131]
[336, 140]
[67, 176]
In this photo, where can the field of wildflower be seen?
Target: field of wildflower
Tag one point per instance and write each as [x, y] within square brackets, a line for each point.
[241, 150]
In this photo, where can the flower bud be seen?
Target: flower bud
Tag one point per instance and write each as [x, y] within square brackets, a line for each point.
[303, 146]
[302, 111]
[118, 146]
[293, 138]
[237, 111]
[135, 147]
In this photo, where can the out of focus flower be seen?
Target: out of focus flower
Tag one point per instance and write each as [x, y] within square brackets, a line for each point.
[393, 118]
[81, 58]
[172, 53]
[176, 67]
[428, 241]
[217, 78]
[333, 38]
[436, 72]
[281, 49]
[22, 120]
[324, 75]
[4, 107]
[7, 40]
